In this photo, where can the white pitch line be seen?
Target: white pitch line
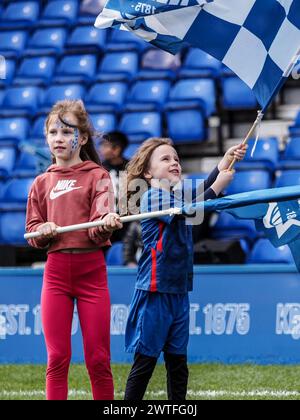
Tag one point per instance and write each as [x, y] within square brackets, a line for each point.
[192, 394]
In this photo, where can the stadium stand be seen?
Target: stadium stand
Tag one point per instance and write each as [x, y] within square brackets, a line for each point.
[264, 252]
[35, 71]
[141, 125]
[52, 51]
[115, 254]
[106, 97]
[22, 14]
[148, 95]
[86, 39]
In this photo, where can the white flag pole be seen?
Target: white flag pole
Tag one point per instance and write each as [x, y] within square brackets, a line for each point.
[247, 138]
[125, 219]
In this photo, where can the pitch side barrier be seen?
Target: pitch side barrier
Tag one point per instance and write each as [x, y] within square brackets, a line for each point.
[238, 314]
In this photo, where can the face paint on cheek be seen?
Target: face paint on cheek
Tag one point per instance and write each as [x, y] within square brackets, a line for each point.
[74, 141]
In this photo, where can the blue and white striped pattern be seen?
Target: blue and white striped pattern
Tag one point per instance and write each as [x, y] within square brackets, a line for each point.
[258, 39]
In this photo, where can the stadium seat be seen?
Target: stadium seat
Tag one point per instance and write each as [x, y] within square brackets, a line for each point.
[41, 157]
[141, 125]
[17, 190]
[13, 130]
[130, 150]
[35, 71]
[26, 166]
[148, 95]
[12, 227]
[158, 64]
[125, 41]
[291, 157]
[2, 183]
[21, 101]
[104, 122]
[20, 14]
[106, 97]
[60, 92]
[288, 178]
[265, 156]
[59, 12]
[37, 134]
[264, 252]
[118, 66]
[89, 10]
[46, 41]
[193, 94]
[76, 69]
[85, 39]
[7, 71]
[224, 225]
[7, 160]
[237, 95]
[297, 119]
[198, 63]
[294, 129]
[249, 181]
[12, 43]
[186, 126]
[114, 255]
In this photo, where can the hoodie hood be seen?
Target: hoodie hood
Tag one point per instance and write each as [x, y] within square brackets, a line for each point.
[79, 167]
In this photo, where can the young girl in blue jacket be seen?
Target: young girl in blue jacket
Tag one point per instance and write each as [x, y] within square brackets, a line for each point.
[159, 314]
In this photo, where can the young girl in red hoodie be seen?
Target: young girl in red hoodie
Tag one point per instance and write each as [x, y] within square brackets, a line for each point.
[75, 189]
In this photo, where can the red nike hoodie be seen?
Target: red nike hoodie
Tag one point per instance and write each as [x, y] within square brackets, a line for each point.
[66, 196]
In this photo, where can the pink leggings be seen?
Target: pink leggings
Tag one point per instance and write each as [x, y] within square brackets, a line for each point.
[82, 277]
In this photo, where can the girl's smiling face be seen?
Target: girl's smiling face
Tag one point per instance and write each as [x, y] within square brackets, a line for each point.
[164, 164]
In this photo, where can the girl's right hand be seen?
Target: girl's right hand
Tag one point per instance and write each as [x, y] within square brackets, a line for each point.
[111, 223]
[48, 230]
[223, 180]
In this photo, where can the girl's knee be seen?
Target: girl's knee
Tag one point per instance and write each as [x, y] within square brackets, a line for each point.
[58, 361]
[98, 362]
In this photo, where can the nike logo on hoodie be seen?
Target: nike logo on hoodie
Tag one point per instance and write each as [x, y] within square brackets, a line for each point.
[63, 187]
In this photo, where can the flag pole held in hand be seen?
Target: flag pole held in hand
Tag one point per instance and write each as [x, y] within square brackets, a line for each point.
[125, 219]
[247, 138]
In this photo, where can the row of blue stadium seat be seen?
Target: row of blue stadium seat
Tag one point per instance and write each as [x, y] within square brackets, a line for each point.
[58, 40]
[137, 125]
[115, 65]
[113, 96]
[255, 179]
[263, 252]
[30, 13]
[182, 125]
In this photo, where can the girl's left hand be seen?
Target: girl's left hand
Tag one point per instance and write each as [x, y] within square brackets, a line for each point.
[236, 152]
[111, 222]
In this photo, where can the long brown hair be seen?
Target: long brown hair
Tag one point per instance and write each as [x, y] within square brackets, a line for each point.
[139, 163]
[84, 125]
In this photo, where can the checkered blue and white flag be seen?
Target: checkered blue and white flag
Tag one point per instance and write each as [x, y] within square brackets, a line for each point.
[258, 39]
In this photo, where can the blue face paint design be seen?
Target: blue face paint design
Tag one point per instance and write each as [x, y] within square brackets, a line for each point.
[74, 143]
[59, 124]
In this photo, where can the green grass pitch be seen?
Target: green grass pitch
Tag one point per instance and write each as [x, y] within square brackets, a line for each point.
[206, 382]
